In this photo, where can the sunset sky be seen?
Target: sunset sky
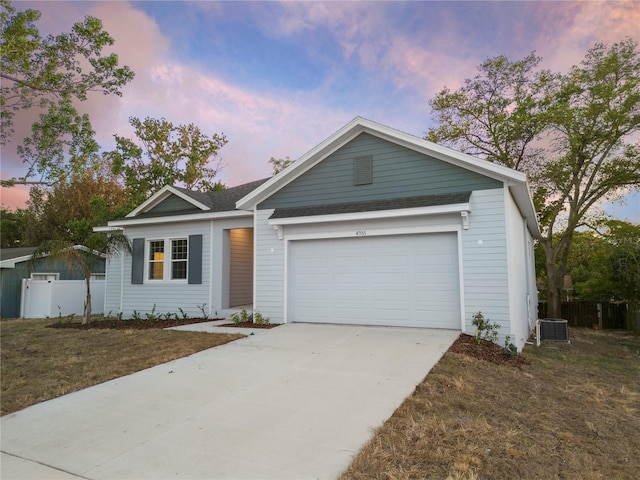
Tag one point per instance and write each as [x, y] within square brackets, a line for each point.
[279, 77]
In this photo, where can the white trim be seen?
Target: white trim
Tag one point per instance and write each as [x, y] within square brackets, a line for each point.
[11, 262]
[255, 255]
[125, 222]
[107, 229]
[37, 274]
[211, 282]
[160, 196]
[167, 261]
[378, 214]
[373, 232]
[463, 322]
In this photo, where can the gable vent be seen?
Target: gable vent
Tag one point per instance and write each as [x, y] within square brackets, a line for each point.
[363, 170]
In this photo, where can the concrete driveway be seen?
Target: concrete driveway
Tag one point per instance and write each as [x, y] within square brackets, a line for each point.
[297, 401]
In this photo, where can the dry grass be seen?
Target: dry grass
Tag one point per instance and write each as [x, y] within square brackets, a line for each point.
[40, 363]
[574, 413]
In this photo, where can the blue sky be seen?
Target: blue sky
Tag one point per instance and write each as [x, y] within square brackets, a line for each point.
[278, 77]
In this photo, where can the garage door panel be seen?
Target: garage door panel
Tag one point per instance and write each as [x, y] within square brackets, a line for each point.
[404, 280]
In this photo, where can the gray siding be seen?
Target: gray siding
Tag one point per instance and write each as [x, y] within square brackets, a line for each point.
[173, 203]
[397, 172]
[241, 267]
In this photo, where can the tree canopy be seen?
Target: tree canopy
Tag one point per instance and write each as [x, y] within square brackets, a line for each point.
[574, 134]
[166, 154]
[70, 209]
[50, 74]
[279, 164]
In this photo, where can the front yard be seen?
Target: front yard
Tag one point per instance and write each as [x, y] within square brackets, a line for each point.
[40, 363]
[573, 413]
[563, 411]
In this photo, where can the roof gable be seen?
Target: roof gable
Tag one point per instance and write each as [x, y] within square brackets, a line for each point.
[393, 171]
[177, 202]
[516, 181]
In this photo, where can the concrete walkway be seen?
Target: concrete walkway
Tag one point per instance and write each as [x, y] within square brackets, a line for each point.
[297, 401]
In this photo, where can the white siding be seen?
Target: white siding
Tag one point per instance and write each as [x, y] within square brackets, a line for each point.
[484, 259]
[113, 285]
[522, 287]
[170, 296]
[269, 269]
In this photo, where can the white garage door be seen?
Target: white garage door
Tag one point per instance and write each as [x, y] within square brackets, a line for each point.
[397, 280]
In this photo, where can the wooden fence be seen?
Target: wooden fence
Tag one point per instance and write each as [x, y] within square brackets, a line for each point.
[589, 314]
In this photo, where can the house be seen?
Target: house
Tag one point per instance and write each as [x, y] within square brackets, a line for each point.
[15, 266]
[373, 226]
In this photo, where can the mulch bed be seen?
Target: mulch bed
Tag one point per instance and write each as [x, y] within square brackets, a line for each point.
[250, 325]
[142, 324]
[487, 351]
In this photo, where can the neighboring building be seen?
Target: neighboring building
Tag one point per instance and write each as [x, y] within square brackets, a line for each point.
[373, 226]
[15, 266]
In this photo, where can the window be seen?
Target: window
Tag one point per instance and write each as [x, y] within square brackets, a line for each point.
[156, 260]
[175, 268]
[179, 259]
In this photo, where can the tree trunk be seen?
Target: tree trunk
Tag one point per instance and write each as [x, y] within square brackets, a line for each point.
[87, 308]
[554, 281]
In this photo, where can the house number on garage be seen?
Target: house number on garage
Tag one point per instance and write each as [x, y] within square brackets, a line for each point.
[361, 233]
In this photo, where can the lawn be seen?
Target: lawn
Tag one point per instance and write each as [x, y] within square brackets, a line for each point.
[565, 411]
[40, 363]
[572, 413]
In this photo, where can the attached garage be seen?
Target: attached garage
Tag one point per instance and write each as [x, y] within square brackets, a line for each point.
[393, 280]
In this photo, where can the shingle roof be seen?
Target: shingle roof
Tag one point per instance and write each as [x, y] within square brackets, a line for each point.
[217, 201]
[9, 253]
[373, 205]
[223, 200]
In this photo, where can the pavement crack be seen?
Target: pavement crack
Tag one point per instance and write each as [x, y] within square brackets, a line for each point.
[44, 465]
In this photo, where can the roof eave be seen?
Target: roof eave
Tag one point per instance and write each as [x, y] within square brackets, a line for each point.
[130, 221]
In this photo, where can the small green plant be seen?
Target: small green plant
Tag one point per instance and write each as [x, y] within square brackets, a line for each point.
[151, 316]
[259, 319]
[136, 315]
[485, 330]
[241, 317]
[182, 313]
[203, 310]
[509, 350]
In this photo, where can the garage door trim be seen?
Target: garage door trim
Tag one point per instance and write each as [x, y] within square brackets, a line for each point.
[346, 231]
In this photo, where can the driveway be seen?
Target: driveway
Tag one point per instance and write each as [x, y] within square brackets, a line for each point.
[297, 401]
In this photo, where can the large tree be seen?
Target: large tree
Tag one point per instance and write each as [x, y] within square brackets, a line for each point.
[166, 154]
[70, 209]
[572, 133]
[50, 74]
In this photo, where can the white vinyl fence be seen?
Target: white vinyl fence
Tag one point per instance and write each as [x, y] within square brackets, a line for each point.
[52, 298]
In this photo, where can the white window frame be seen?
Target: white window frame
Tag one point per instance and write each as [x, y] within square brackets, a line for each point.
[167, 261]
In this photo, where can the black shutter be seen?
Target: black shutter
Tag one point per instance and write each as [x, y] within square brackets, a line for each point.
[137, 261]
[195, 259]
